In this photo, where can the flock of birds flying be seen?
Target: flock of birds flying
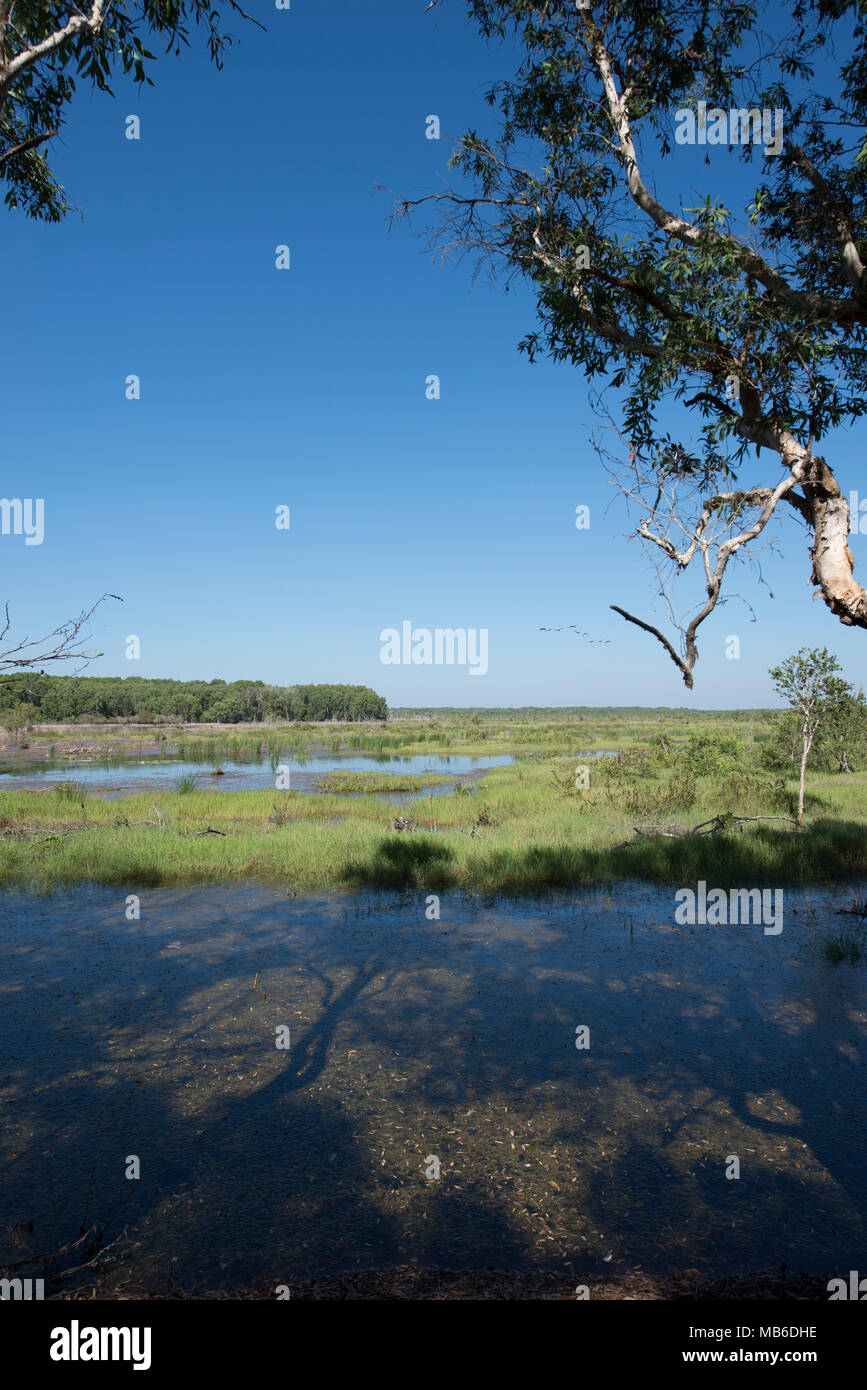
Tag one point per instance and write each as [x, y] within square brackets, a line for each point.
[596, 641]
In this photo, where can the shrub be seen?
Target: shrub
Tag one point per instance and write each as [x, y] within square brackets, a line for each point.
[678, 794]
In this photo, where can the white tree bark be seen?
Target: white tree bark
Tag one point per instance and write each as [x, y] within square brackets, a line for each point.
[12, 68]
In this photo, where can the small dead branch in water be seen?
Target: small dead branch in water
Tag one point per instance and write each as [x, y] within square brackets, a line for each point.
[89, 1239]
[95, 1260]
[858, 908]
[51, 1255]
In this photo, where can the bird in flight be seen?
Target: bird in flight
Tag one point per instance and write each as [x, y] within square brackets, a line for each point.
[596, 641]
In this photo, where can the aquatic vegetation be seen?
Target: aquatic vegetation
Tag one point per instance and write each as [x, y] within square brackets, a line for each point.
[844, 947]
[70, 791]
[684, 797]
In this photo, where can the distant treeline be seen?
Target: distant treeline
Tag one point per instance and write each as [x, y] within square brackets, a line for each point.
[94, 699]
[530, 713]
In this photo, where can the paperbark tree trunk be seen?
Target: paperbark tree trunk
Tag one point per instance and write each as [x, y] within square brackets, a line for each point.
[804, 756]
[833, 561]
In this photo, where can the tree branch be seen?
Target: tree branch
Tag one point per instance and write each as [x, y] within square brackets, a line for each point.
[67, 646]
[26, 145]
[655, 632]
[852, 263]
[28, 56]
[842, 310]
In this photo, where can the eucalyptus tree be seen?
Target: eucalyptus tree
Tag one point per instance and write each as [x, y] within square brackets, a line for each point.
[840, 744]
[809, 681]
[843, 737]
[47, 48]
[747, 321]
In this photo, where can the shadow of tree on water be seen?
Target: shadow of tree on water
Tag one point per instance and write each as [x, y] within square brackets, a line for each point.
[409, 1039]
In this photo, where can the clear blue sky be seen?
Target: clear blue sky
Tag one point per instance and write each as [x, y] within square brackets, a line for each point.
[307, 388]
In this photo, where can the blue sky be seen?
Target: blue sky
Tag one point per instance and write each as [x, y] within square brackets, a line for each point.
[306, 388]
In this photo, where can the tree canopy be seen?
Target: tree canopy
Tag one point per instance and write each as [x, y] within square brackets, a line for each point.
[810, 683]
[46, 49]
[751, 317]
[95, 699]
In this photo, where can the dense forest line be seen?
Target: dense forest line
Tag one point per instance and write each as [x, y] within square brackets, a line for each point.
[38, 699]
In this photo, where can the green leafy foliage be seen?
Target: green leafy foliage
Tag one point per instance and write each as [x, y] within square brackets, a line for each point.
[555, 181]
[96, 699]
[34, 100]
[744, 319]
[666, 777]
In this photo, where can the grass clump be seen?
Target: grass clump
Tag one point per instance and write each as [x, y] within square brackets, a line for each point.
[70, 790]
[844, 947]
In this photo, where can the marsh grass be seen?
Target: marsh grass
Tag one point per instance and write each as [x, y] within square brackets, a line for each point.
[472, 733]
[539, 831]
[70, 790]
[378, 783]
[528, 841]
[844, 947]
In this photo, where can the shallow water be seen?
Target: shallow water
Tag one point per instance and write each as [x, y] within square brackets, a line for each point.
[238, 775]
[413, 1038]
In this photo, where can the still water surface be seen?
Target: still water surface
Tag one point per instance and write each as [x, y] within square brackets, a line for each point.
[411, 1038]
[246, 775]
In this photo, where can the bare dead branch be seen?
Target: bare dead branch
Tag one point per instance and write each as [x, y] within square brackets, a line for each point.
[660, 637]
[252, 18]
[719, 822]
[64, 643]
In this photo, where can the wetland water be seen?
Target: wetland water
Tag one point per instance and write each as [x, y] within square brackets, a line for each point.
[133, 775]
[410, 1038]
